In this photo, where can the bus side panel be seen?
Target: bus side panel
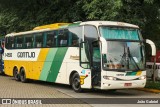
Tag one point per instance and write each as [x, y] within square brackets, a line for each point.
[37, 66]
[62, 74]
[36, 70]
[73, 65]
[56, 64]
[54, 58]
[7, 68]
[47, 64]
[29, 69]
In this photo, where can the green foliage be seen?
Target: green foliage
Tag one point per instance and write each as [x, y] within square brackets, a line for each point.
[20, 15]
[8, 22]
[153, 85]
[101, 9]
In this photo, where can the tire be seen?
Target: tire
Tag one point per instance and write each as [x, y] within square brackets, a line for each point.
[23, 76]
[15, 74]
[76, 86]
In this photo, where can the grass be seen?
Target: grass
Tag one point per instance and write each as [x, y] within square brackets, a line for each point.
[153, 85]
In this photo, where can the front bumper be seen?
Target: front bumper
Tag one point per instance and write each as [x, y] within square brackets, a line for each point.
[110, 84]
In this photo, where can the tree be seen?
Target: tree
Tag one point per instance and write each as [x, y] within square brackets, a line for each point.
[19, 15]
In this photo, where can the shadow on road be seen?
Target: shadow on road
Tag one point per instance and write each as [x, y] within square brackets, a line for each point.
[116, 93]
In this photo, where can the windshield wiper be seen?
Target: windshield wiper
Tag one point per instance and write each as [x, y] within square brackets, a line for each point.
[130, 56]
[127, 55]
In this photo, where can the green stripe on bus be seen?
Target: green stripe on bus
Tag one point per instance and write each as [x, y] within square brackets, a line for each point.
[47, 64]
[56, 64]
[131, 73]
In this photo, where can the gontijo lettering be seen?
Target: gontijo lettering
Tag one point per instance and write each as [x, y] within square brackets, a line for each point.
[26, 54]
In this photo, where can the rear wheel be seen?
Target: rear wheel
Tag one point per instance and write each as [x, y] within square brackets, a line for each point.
[15, 74]
[23, 75]
[76, 83]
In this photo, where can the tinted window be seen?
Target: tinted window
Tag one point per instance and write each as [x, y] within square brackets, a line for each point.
[119, 33]
[9, 42]
[28, 41]
[51, 39]
[90, 33]
[19, 42]
[75, 36]
[63, 38]
[38, 40]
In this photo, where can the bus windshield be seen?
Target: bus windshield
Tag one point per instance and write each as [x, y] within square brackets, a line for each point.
[119, 33]
[124, 56]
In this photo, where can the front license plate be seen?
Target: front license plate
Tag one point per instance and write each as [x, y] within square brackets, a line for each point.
[127, 84]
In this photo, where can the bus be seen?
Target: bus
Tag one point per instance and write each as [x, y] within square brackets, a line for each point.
[153, 67]
[1, 55]
[150, 70]
[101, 55]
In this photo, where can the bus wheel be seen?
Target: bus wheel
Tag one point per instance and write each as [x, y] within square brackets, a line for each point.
[23, 75]
[76, 83]
[15, 74]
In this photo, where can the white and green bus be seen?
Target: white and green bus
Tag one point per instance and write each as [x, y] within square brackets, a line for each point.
[95, 54]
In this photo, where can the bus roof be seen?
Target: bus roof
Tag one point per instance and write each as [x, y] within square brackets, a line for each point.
[40, 29]
[109, 23]
[99, 23]
[27, 32]
[64, 25]
[50, 26]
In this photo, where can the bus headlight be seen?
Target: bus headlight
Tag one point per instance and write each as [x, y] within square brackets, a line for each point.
[142, 77]
[109, 78]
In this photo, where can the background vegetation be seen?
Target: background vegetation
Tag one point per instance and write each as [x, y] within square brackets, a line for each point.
[21, 15]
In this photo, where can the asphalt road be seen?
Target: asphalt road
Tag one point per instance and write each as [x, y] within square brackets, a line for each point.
[9, 88]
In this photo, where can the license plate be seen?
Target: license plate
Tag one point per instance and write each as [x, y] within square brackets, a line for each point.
[127, 84]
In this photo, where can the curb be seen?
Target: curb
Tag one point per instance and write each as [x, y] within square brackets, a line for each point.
[149, 90]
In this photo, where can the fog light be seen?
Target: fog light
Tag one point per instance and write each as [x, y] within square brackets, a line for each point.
[109, 78]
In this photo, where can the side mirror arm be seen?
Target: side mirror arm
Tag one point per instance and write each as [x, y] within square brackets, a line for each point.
[153, 47]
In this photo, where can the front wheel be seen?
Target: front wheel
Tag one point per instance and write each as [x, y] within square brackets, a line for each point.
[76, 83]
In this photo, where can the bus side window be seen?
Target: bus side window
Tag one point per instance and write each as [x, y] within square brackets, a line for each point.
[51, 39]
[63, 38]
[158, 67]
[28, 41]
[6, 42]
[9, 43]
[149, 66]
[90, 33]
[38, 40]
[19, 42]
[75, 36]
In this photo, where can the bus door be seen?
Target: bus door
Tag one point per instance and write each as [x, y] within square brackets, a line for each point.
[85, 63]
[96, 64]
[93, 51]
